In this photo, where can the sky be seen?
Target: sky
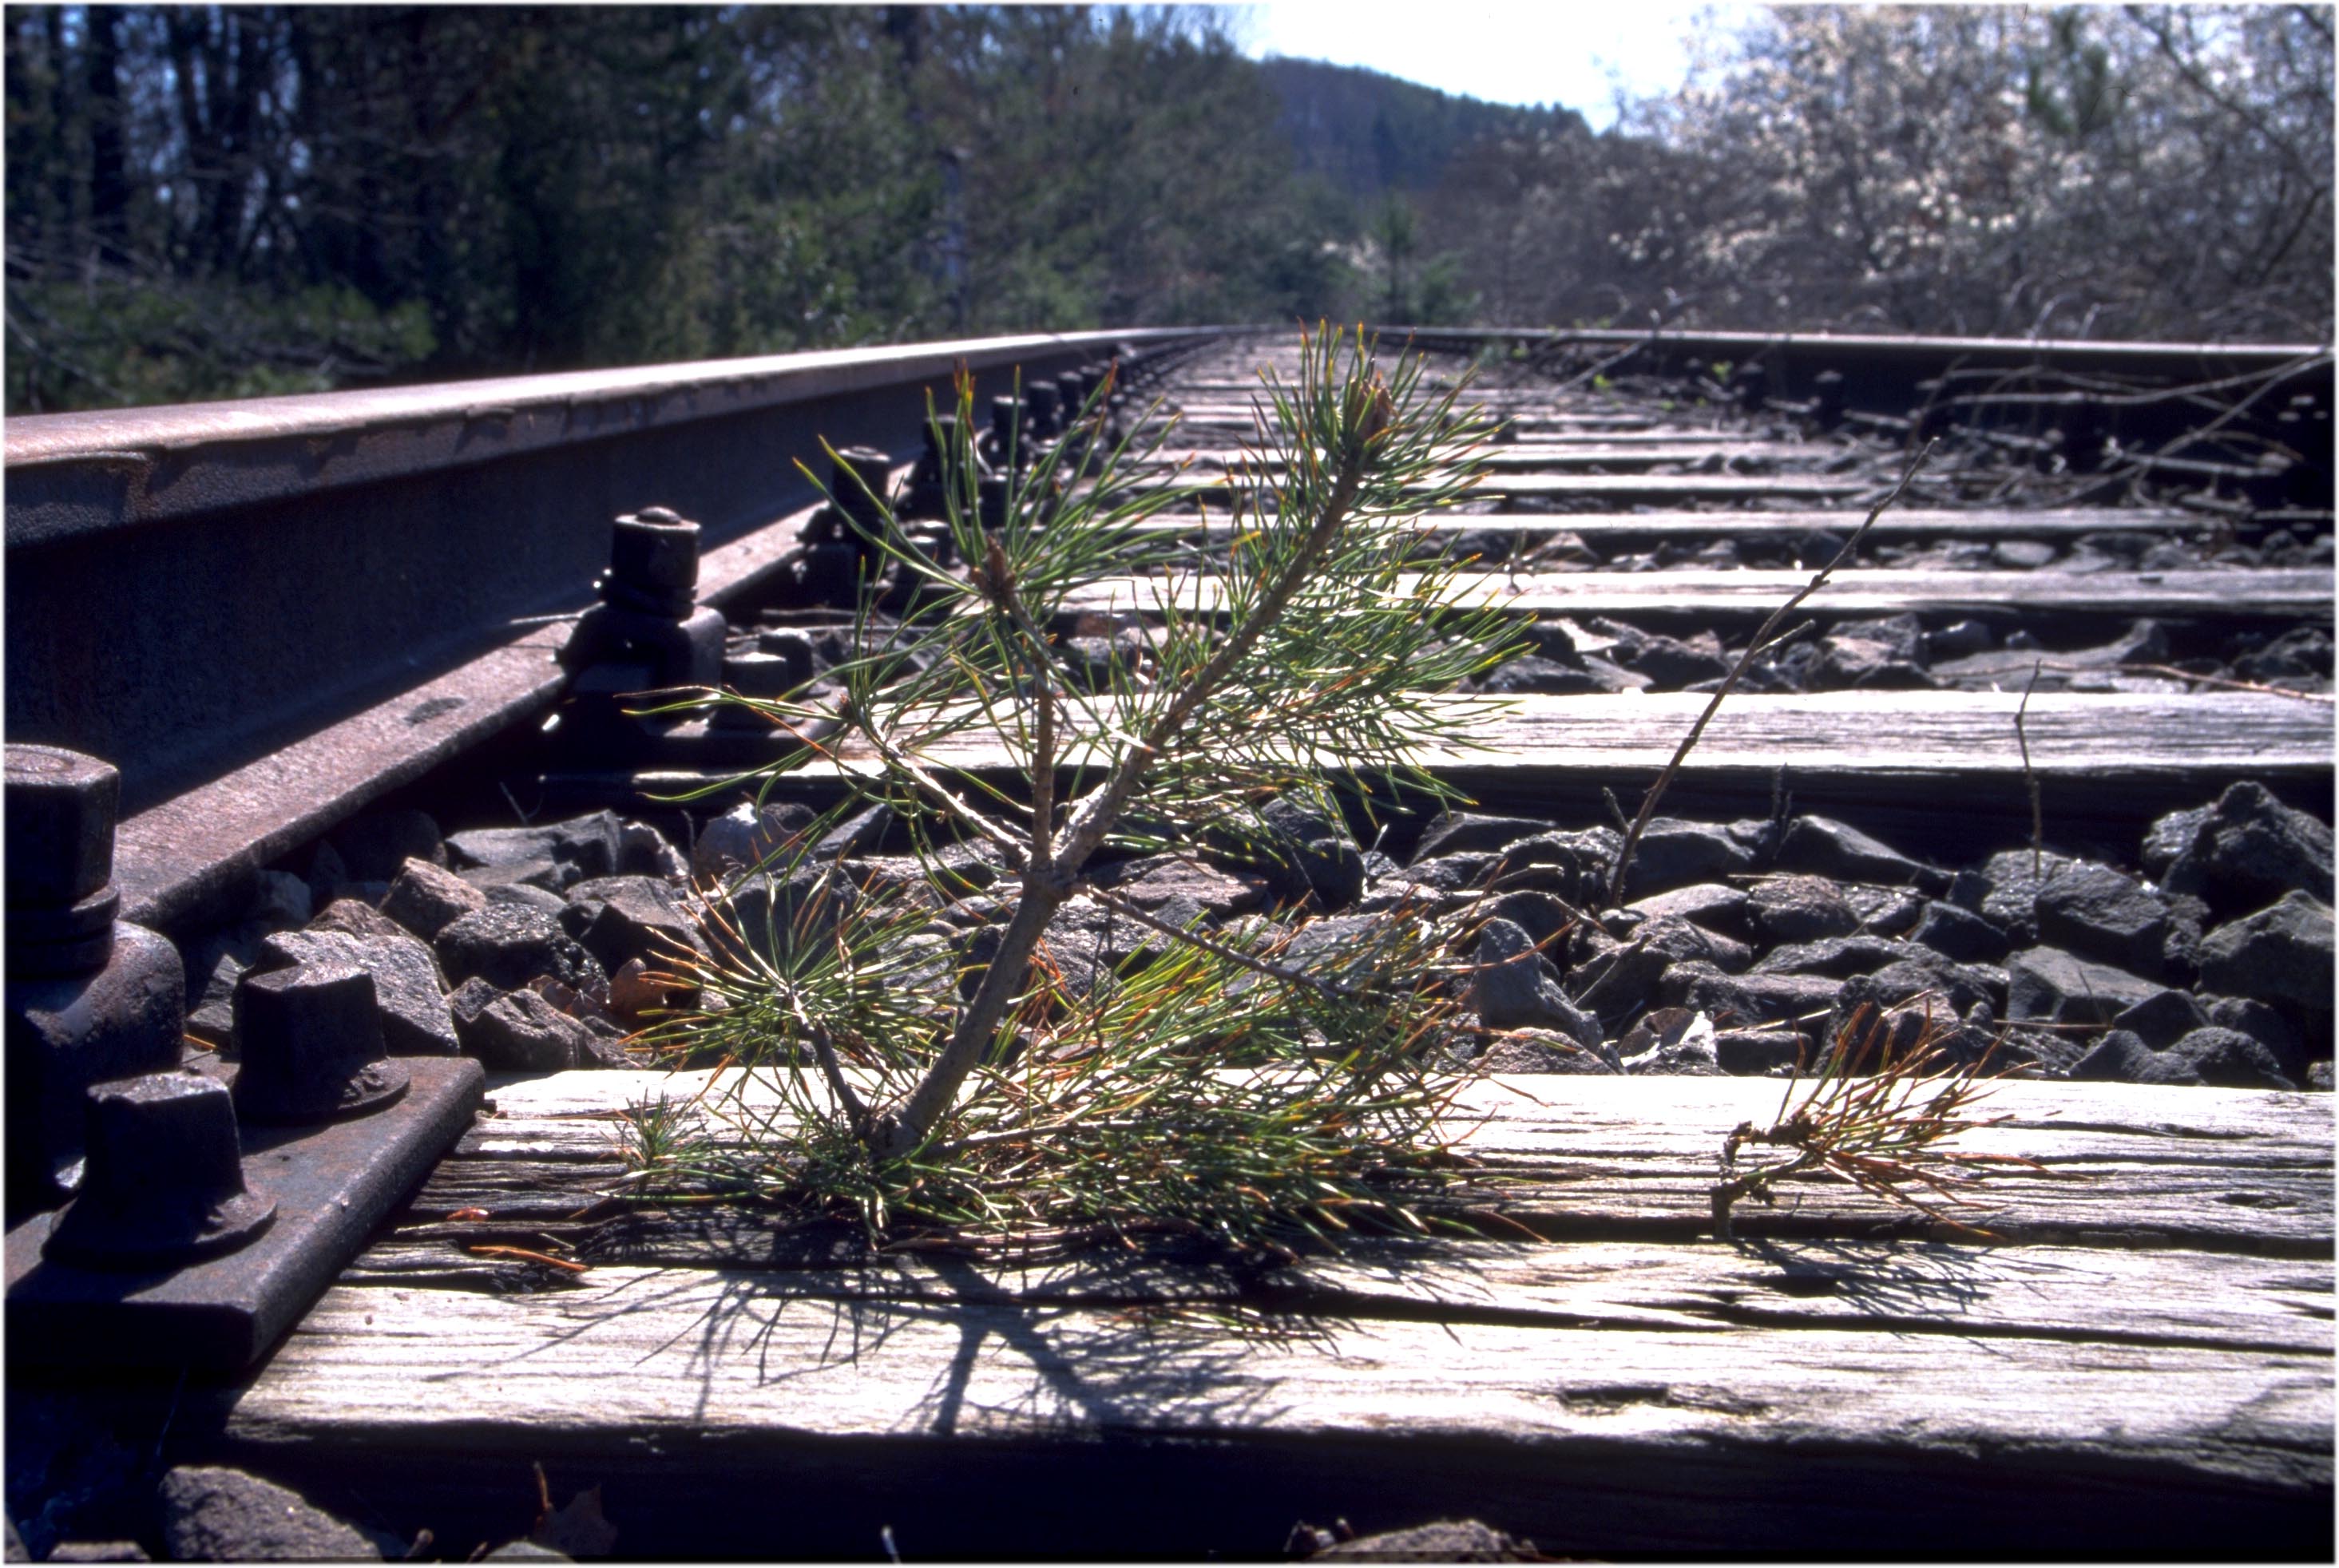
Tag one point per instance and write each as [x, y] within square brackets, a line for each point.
[1565, 52]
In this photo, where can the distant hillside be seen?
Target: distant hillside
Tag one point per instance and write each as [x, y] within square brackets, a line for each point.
[1366, 132]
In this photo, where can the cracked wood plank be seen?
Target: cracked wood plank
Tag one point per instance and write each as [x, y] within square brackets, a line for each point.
[1704, 527]
[2195, 742]
[1591, 1158]
[2148, 1381]
[1615, 1434]
[1742, 454]
[2284, 593]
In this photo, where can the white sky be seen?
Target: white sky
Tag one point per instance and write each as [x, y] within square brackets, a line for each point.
[1571, 53]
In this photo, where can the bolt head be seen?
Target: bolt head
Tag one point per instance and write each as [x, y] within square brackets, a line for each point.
[60, 809]
[312, 1044]
[655, 549]
[852, 469]
[164, 1182]
[941, 436]
[992, 498]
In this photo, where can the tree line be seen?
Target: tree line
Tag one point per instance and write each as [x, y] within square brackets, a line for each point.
[2086, 171]
[211, 201]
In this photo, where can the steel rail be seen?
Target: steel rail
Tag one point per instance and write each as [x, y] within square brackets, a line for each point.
[268, 611]
[2146, 392]
[191, 587]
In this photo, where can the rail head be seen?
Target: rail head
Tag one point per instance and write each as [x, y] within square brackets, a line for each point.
[190, 588]
[75, 474]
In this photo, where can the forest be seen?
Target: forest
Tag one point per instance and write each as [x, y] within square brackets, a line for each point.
[230, 201]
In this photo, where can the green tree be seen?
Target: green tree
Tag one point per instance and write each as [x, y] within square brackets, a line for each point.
[1001, 1103]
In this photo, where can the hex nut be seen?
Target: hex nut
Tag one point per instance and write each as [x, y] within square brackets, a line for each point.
[858, 477]
[164, 1182]
[1047, 412]
[311, 1046]
[653, 549]
[61, 808]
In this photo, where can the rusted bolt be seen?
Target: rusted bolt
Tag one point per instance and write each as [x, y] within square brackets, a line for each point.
[1071, 395]
[942, 436]
[992, 503]
[928, 494]
[1827, 399]
[61, 807]
[942, 439]
[164, 1181]
[1751, 381]
[1006, 433]
[2079, 437]
[310, 1040]
[858, 477]
[653, 564]
[61, 811]
[1047, 409]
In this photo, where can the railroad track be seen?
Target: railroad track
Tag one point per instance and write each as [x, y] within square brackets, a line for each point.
[315, 635]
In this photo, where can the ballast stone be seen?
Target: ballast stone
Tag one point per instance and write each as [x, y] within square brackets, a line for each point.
[621, 918]
[1314, 853]
[1795, 909]
[1473, 832]
[745, 836]
[586, 845]
[1714, 906]
[2163, 1018]
[2094, 911]
[1957, 934]
[524, 895]
[211, 1513]
[1826, 847]
[2282, 954]
[520, 1031]
[1674, 854]
[410, 994]
[2010, 888]
[426, 899]
[1542, 916]
[1884, 910]
[2264, 1024]
[2048, 985]
[553, 877]
[1745, 999]
[2228, 1058]
[1543, 1051]
[1754, 1053]
[2241, 853]
[355, 917]
[508, 946]
[2120, 1057]
[1515, 987]
[1540, 675]
[1155, 882]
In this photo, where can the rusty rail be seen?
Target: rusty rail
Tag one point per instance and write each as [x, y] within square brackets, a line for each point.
[191, 587]
[266, 613]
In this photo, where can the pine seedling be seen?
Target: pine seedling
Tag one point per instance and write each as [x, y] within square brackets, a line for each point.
[1877, 1119]
[1231, 1084]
